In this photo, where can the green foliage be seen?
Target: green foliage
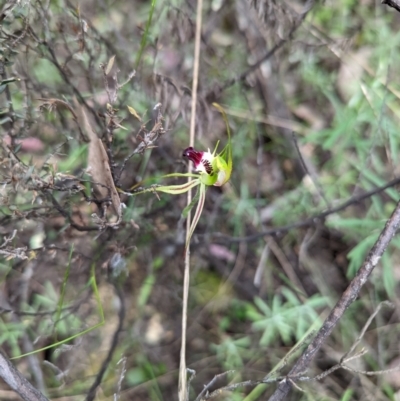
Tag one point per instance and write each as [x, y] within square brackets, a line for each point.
[47, 73]
[285, 318]
[147, 372]
[145, 290]
[11, 332]
[146, 33]
[231, 353]
[347, 395]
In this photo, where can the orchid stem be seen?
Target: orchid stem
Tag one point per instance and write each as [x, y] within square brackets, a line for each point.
[183, 390]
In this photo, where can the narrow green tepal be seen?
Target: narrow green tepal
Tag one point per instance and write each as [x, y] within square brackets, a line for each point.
[226, 153]
[211, 169]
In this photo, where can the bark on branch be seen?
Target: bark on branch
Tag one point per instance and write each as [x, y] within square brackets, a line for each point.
[17, 382]
[392, 3]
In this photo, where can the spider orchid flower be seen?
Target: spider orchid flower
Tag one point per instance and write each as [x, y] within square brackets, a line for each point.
[211, 169]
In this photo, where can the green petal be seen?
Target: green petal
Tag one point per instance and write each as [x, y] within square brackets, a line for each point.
[169, 189]
[226, 153]
[180, 175]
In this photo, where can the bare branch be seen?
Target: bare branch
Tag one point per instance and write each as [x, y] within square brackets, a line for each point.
[211, 383]
[17, 382]
[392, 3]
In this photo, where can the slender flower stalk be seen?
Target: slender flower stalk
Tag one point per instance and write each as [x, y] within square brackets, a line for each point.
[211, 169]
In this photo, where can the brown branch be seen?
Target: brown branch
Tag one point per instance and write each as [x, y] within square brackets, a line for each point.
[17, 382]
[392, 3]
[344, 302]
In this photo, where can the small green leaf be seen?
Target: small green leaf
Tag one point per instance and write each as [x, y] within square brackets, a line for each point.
[389, 281]
[145, 290]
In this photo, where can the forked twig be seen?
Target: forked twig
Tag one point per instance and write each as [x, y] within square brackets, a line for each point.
[211, 383]
[365, 328]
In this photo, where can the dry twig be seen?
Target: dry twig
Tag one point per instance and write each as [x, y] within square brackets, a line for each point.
[17, 382]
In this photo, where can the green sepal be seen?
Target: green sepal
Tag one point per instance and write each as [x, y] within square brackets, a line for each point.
[177, 189]
[180, 175]
[169, 189]
[226, 153]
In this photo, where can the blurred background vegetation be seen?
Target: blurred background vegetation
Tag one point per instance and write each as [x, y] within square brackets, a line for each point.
[314, 126]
